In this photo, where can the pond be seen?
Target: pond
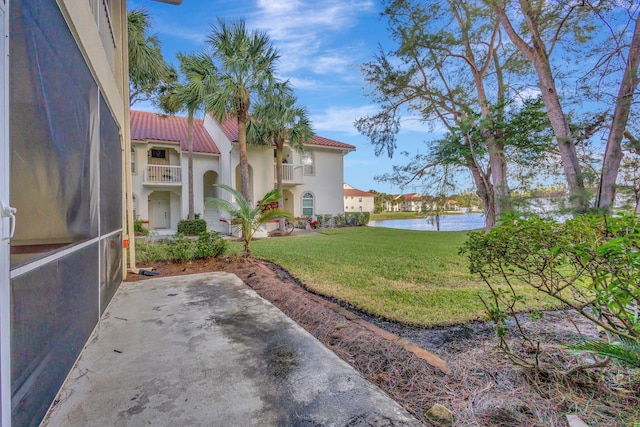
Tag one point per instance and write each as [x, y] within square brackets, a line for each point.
[453, 222]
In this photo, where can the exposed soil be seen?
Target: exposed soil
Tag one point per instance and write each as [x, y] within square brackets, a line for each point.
[481, 386]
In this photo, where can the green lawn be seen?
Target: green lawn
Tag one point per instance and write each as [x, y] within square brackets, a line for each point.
[414, 277]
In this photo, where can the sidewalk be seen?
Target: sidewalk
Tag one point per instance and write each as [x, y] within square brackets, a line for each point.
[206, 350]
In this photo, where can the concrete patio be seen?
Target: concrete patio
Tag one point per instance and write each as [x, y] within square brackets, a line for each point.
[206, 350]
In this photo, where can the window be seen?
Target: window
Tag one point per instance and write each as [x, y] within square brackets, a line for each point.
[307, 204]
[360, 200]
[308, 163]
[133, 160]
[135, 206]
[158, 154]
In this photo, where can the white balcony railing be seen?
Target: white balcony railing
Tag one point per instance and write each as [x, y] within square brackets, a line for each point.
[161, 174]
[291, 174]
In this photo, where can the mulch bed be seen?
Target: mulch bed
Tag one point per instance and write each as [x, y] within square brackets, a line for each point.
[480, 386]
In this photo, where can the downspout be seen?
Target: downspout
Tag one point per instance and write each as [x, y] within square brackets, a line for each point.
[129, 237]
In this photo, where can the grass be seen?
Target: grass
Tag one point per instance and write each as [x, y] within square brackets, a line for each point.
[412, 277]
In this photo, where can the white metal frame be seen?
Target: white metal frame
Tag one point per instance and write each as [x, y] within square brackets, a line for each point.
[6, 223]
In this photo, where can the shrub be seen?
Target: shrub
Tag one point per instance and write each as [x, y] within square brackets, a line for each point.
[357, 219]
[590, 263]
[192, 227]
[181, 248]
[139, 229]
[147, 251]
[210, 245]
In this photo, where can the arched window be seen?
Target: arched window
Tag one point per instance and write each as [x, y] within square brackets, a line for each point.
[307, 205]
[308, 163]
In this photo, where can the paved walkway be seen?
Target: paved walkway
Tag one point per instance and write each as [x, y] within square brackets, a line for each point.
[206, 350]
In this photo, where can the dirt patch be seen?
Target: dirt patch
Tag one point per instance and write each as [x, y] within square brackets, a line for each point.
[481, 388]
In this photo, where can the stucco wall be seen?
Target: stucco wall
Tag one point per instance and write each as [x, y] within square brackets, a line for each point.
[326, 184]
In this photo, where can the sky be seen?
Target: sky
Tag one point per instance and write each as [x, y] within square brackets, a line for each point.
[322, 44]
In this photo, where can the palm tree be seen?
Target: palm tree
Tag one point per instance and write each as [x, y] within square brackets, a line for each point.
[148, 70]
[246, 63]
[279, 120]
[246, 218]
[190, 96]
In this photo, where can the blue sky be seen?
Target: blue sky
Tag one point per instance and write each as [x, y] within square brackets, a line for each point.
[322, 45]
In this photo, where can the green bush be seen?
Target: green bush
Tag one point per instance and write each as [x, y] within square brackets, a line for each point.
[147, 252]
[139, 229]
[192, 227]
[356, 219]
[590, 263]
[181, 248]
[210, 245]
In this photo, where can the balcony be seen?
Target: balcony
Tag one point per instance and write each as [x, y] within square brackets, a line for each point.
[163, 175]
[291, 174]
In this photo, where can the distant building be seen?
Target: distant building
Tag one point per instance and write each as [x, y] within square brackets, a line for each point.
[357, 200]
[411, 202]
[159, 163]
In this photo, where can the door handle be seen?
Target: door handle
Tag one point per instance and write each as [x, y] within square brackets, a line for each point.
[7, 211]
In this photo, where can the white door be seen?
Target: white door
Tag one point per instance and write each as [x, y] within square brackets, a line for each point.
[158, 213]
[7, 223]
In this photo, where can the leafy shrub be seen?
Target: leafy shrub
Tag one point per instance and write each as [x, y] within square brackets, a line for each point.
[590, 263]
[358, 218]
[181, 248]
[209, 245]
[139, 229]
[147, 251]
[192, 227]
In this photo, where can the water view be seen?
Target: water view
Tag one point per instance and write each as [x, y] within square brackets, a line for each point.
[455, 222]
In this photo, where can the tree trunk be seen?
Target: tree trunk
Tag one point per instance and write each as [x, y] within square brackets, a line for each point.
[566, 144]
[538, 57]
[486, 194]
[497, 162]
[613, 153]
[190, 164]
[244, 162]
[498, 166]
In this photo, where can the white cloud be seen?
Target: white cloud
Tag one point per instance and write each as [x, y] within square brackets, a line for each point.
[302, 83]
[340, 119]
[414, 124]
[302, 30]
[528, 93]
[330, 64]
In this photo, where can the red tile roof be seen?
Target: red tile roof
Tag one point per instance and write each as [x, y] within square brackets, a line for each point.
[230, 128]
[326, 142]
[160, 127]
[353, 192]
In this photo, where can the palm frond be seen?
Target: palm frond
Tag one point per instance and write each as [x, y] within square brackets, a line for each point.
[625, 351]
[271, 214]
[223, 205]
